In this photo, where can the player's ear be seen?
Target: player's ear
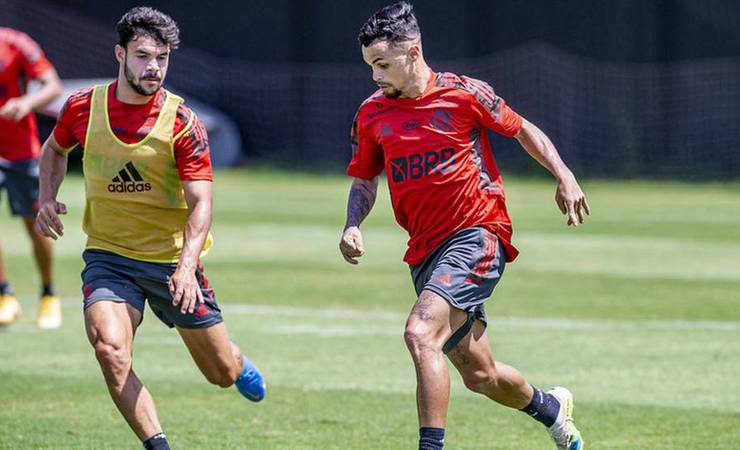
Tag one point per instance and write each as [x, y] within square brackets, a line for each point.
[414, 52]
[120, 53]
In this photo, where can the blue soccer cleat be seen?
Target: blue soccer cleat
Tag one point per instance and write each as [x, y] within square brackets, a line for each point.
[250, 382]
[563, 431]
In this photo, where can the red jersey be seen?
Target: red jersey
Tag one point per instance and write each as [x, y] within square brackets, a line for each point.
[441, 171]
[21, 60]
[131, 123]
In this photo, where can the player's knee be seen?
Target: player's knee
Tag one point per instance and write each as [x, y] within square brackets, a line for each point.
[419, 338]
[113, 357]
[413, 337]
[481, 381]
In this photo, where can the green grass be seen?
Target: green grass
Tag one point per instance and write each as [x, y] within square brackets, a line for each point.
[637, 312]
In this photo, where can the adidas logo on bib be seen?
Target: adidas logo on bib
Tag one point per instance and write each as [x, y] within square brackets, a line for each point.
[129, 180]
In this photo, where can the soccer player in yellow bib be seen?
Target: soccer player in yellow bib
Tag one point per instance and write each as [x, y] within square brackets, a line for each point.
[147, 217]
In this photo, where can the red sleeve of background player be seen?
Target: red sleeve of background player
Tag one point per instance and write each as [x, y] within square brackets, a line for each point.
[367, 156]
[33, 60]
[490, 110]
[192, 153]
[72, 118]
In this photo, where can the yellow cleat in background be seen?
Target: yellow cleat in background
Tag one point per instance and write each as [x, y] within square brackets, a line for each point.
[10, 309]
[50, 312]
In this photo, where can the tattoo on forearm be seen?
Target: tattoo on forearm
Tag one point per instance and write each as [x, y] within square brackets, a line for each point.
[361, 200]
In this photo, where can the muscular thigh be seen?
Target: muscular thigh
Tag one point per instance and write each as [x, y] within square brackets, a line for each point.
[111, 322]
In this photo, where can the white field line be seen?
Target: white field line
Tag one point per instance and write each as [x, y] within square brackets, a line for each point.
[391, 322]
[396, 320]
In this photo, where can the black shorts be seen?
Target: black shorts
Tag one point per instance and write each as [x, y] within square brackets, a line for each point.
[111, 277]
[464, 270]
[20, 179]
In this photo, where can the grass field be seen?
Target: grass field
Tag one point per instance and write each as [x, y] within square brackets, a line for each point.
[638, 312]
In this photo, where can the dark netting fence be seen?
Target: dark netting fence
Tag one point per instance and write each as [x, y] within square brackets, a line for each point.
[658, 120]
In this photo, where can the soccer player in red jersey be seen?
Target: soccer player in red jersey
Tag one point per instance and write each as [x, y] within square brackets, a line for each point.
[147, 218]
[22, 60]
[428, 131]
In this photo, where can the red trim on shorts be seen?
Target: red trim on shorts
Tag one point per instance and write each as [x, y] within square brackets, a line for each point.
[489, 255]
[202, 268]
[87, 290]
[205, 284]
[201, 311]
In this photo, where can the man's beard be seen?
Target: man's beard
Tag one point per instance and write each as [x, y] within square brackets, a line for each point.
[137, 87]
[395, 93]
[392, 93]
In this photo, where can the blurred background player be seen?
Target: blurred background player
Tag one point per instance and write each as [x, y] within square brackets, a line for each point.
[428, 131]
[21, 61]
[147, 217]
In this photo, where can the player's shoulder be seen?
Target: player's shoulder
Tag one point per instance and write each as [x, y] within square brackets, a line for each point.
[13, 36]
[371, 105]
[191, 136]
[449, 80]
[80, 97]
[463, 83]
[78, 102]
[185, 118]
[185, 114]
[21, 42]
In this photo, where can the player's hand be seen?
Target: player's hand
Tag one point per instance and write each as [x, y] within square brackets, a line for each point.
[571, 200]
[351, 245]
[185, 290]
[48, 222]
[15, 109]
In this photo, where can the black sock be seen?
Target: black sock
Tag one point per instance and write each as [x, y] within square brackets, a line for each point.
[5, 288]
[543, 408]
[157, 442]
[431, 438]
[47, 289]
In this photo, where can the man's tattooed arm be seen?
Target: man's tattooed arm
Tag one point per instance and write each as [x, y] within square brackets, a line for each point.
[362, 196]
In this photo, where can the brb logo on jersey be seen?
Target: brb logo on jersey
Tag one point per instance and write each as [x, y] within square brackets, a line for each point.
[129, 180]
[417, 165]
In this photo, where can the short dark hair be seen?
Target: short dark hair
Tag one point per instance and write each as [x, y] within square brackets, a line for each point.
[394, 23]
[145, 21]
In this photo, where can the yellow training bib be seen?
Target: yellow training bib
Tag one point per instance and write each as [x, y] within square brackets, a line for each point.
[135, 203]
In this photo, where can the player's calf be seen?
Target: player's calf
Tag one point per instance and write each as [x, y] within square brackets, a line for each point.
[223, 374]
[501, 383]
[483, 382]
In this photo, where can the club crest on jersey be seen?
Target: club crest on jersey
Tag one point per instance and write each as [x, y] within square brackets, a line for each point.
[129, 180]
[417, 165]
[442, 120]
